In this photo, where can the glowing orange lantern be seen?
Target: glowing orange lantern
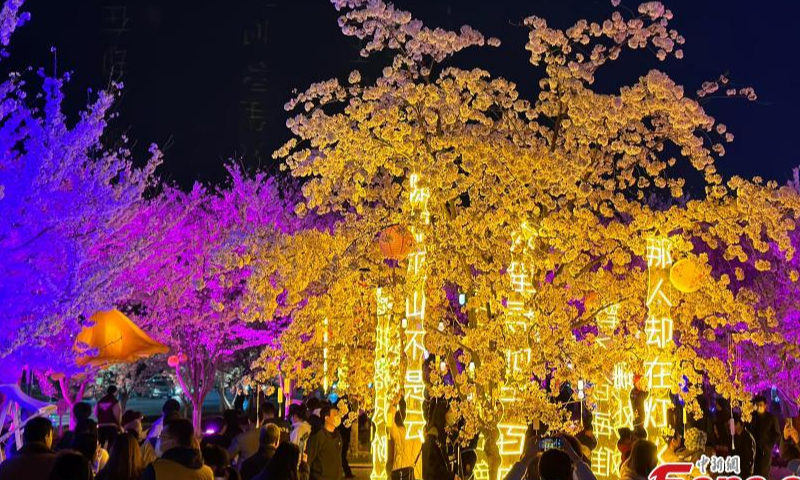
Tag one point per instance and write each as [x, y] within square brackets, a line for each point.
[686, 276]
[591, 299]
[116, 339]
[396, 242]
[173, 361]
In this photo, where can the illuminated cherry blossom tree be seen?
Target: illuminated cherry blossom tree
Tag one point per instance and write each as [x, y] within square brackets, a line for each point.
[191, 280]
[65, 194]
[537, 209]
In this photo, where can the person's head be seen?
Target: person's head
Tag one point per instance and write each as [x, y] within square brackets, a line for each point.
[71, 465]
[132, 423]
[625, 435]
[112, 390]
[268, 411]
[38, 430]
[555, 464]
[285, 462]
[81, 411]
[216, 458]
[644, 457]
[171, 407]
[86, 444]
[125, 458]
[451, 417]
[330, 415]
[313, 403]
[761, 404]
[176, 433]
[695, 440]
[270, 435]
[673, 441]
[297, 413]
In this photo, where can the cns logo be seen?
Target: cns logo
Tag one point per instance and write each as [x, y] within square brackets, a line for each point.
[681, 471]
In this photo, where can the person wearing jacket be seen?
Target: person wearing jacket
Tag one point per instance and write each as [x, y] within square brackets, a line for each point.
[109, 417]
[268, 443]
[767, 434]
[171, 410]
[246, 444]
[434, 459]
[324, 448]
[34, 461]
[403, 452]
[643, 459]
[180, 456]
[744, 445]
[301, 429]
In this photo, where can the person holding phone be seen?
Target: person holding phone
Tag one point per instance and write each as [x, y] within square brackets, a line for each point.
[558, 460]
[403, 452]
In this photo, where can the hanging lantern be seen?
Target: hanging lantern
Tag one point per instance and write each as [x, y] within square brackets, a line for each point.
[173, 361]
[591, 298]
[396, 242]
[686, 276]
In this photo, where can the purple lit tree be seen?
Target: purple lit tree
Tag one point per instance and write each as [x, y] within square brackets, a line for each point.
[64, 196]
[192, 280]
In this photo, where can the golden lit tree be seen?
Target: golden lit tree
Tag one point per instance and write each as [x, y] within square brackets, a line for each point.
[305, 286]
[542, 212]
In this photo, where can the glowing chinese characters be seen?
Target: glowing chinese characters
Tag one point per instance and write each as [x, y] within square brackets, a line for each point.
[658, 329]
[381, 383]
[414, 324]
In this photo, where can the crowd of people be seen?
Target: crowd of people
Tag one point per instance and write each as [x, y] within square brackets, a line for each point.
[312, 444]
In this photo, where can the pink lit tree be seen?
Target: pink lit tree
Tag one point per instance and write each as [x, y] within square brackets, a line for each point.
[192, 280]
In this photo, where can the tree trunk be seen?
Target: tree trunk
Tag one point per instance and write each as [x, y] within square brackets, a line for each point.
[490, 448]
[355, 407]
[63, 383]
[197, 417]
[125, 394]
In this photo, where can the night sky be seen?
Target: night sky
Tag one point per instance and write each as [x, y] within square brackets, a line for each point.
[208, 80]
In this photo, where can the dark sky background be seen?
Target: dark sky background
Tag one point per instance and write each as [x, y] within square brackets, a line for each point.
[208, 80]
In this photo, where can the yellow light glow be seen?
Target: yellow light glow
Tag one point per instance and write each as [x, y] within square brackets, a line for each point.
[613, 407]
[521, 281]
[517, 321]
[605, 461]
[659, 253]
[381, 382]
[325, 381]
[659, 333]
[415, 350]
